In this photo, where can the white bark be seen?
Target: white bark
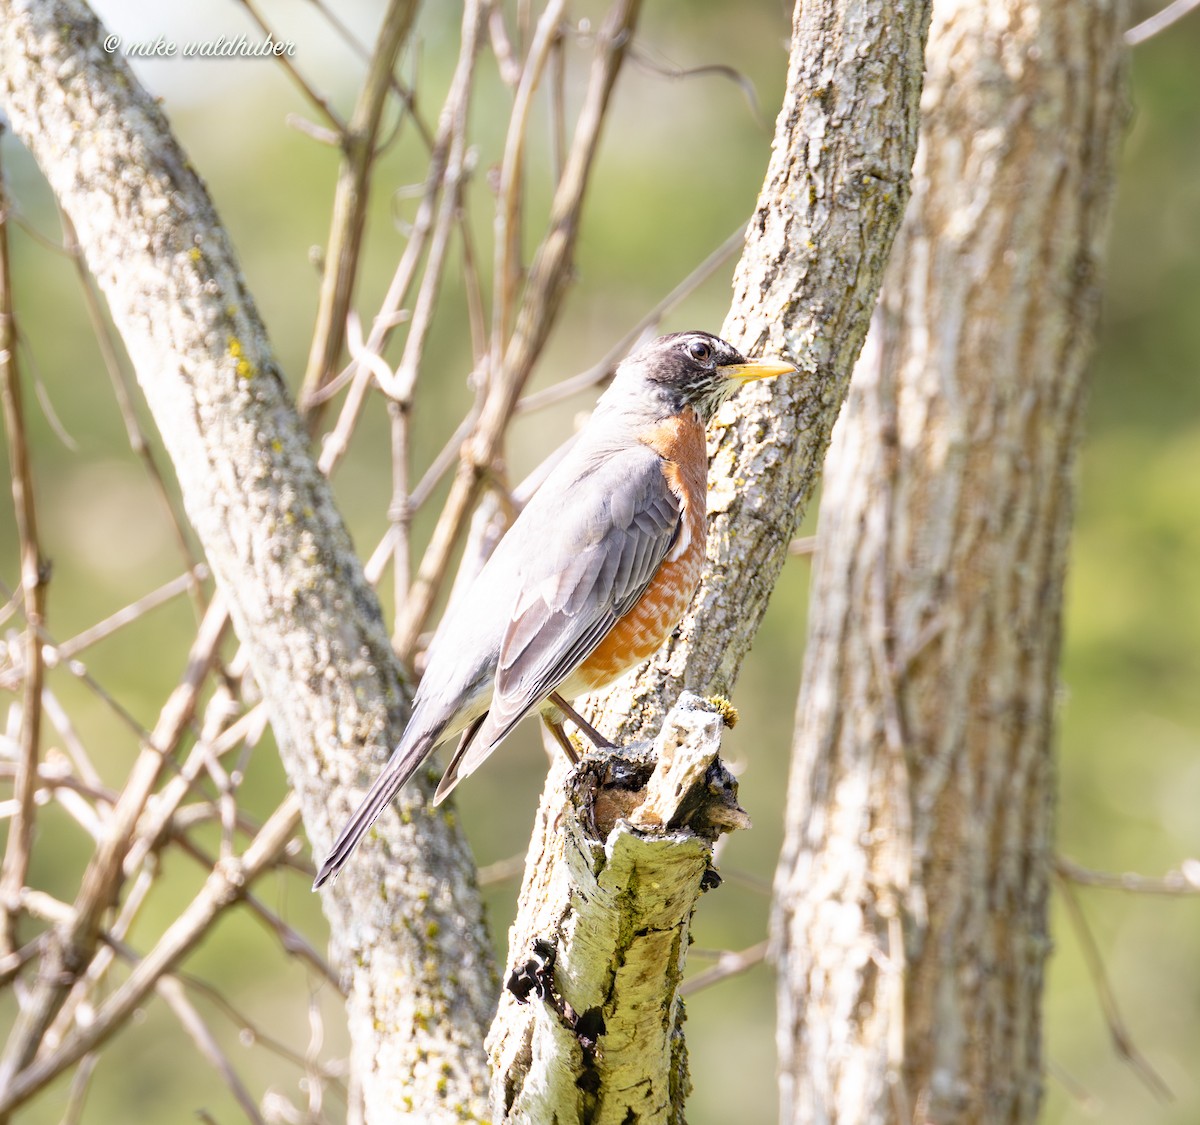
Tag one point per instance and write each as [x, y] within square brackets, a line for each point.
[277, 547]
[830, 206]
[588, 1023]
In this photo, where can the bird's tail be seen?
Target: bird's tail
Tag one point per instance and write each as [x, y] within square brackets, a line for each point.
[400, 767]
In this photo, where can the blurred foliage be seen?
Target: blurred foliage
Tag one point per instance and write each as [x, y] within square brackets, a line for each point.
[680, 166]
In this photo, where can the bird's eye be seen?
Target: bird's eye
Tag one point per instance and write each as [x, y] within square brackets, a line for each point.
[699, 351]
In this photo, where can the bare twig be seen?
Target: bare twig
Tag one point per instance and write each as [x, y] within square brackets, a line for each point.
[721, 70]
[603, 369]
[507, 270]
[294, 943]
[34, 576]
[402, 90]
[226, 885]
[1160, 21]
[729, 964]
[1122, 1041]
[502, 871]
[302, 84]
[441, 176]
[350, 201]
[502, 48]
[80, 1081]
[69, 649]
[172, 992]
[119, 378]
[1185, 881]
[80, 672]
[248, 1032]
[73, 943]
[541, 300]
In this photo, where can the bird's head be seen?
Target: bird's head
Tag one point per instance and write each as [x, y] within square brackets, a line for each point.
[693, 369]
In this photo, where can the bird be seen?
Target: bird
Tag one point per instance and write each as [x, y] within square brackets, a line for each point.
[591, 578]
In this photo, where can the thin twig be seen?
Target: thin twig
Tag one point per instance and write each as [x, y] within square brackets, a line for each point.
[349, 214]
[119, 379]
[80, 1082]
[399, 510]
[439, 178]
[73, 944]
[172, 992]
[1122, 1041]
[403, 91]
[248, 1031]
[603, 369]
[71, 648]
[318, 100]
[679, 73]
[79, 670]
[226, 885]
[72, 743]
[507, 270]
[1184, 882]
[294, 943]
[502, 48]
[1160, 21]
[729, 964]
[502, 871]
[548, 277]
[34, 575]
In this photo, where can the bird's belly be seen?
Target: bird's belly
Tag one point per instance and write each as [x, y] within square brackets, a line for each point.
[642, 631]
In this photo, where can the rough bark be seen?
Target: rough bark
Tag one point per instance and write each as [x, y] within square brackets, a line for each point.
[910, 924]
[831, 203]
[588, 1029]
[278, 549]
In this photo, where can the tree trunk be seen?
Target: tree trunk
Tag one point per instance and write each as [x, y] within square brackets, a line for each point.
[283, 562]
[831, 203]
[910, 924]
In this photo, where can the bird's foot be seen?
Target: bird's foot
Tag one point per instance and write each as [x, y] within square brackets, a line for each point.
[594, 736]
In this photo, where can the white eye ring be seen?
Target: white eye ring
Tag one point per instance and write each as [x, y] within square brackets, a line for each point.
[699, 351]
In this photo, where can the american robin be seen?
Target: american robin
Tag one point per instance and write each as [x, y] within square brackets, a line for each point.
[592, 577]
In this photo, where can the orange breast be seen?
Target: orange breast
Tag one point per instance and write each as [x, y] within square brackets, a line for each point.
[641, 632]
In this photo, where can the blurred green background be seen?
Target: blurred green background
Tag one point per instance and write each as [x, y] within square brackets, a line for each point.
[679, 169]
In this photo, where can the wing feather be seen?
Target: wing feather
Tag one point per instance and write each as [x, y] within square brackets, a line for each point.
[611, 546]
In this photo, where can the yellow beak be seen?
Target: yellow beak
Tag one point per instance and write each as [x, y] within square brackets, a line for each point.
[755, 369]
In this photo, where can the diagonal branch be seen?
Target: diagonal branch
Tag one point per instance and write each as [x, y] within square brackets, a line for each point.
[804, 288]
[279, 552]
[540, 302]
[225, 886]
[75, 939]
[808, 279]
[350, 200]
[34, 576]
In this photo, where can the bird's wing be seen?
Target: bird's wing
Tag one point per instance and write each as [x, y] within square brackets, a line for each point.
[606, 545]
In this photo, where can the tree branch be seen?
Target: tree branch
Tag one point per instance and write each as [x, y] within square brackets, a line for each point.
[588, 1022]
[914, 879]
[34, 577]
[805, 286]
[815, 251]
[309, 623]
[350, 200]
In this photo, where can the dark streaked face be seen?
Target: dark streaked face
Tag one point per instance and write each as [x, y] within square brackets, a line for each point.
[699, 370]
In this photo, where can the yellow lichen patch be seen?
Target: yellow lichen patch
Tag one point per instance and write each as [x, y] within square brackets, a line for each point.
[245, 368]
[727, 711]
